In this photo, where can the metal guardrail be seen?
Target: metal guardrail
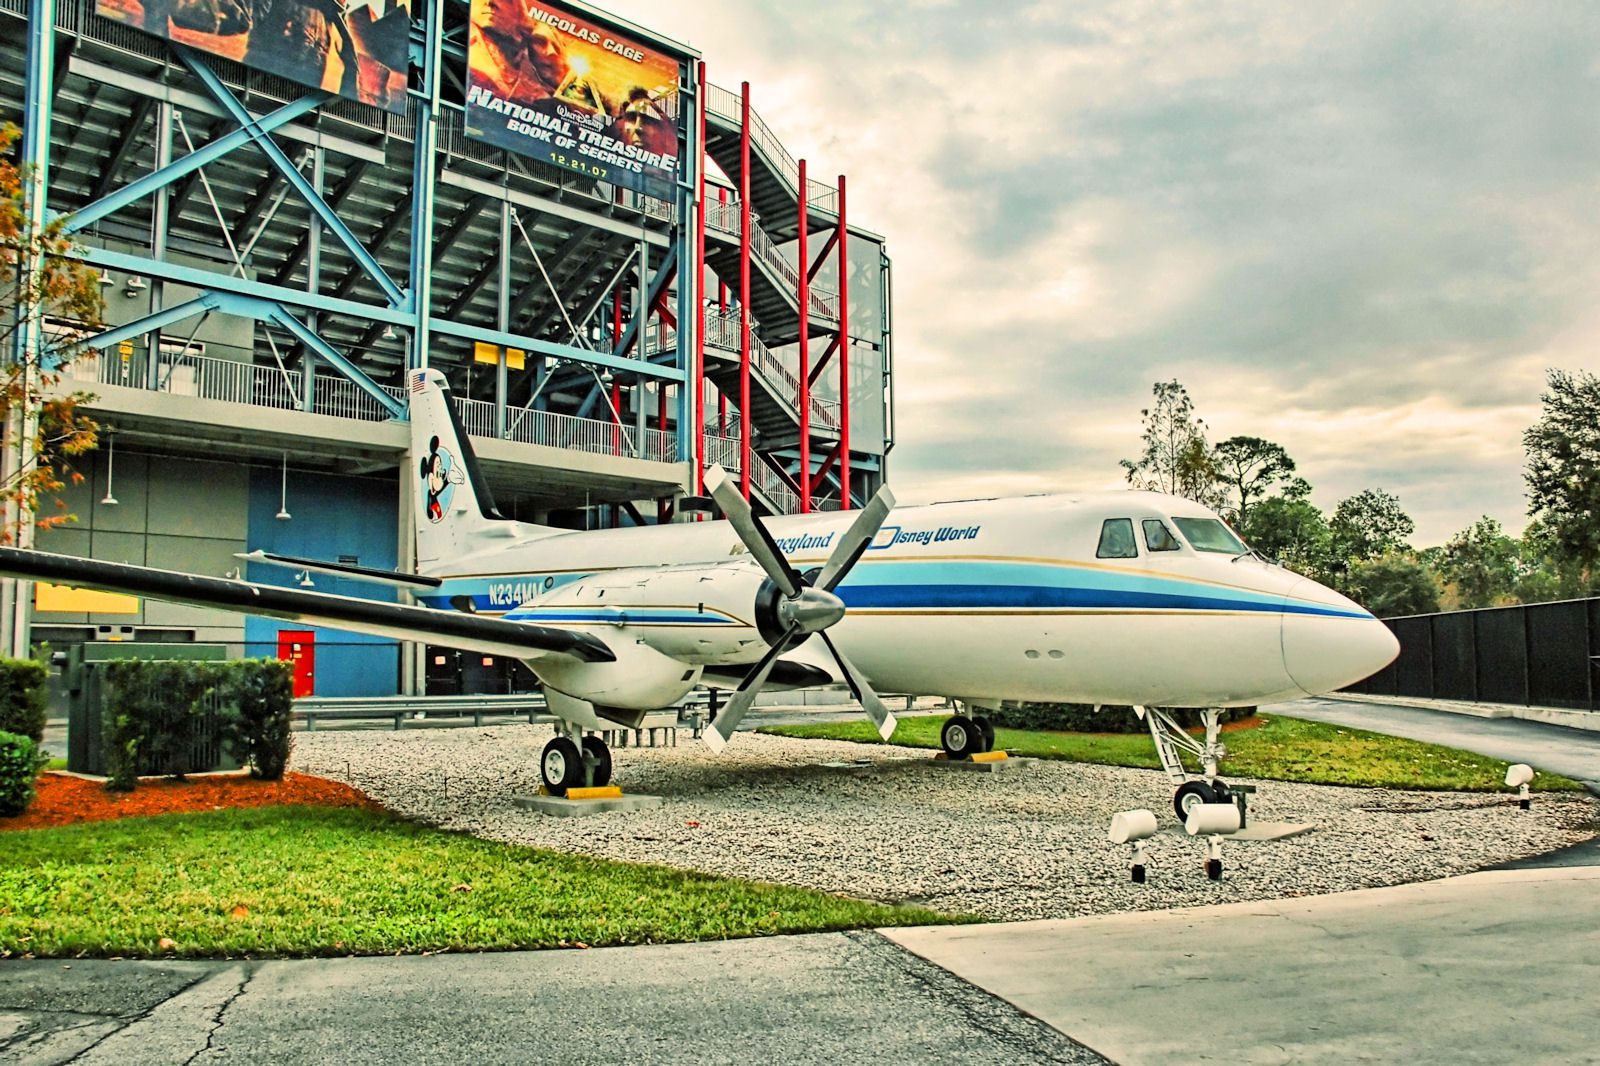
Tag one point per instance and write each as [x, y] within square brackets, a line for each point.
[233, 381]
[722, 332]
[726, 218]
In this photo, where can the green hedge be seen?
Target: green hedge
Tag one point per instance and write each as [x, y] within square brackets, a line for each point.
[24, 698]
[169, 717]
[20, 763]
[1083, 718]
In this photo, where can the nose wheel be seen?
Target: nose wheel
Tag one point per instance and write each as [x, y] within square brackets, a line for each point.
[564, 765]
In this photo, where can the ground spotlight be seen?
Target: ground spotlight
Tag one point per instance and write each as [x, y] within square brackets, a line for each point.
[1213, 821]
[1519, 776]
[1132, 828]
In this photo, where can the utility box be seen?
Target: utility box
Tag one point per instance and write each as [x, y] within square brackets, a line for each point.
[84, 680]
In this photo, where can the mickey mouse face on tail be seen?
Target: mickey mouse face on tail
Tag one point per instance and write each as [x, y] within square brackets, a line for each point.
[439, 479]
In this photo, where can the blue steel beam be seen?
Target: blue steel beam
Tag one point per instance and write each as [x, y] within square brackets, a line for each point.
[135, 191]
[228, 283]
[560, 351]
[335, 358]
[658, 283]
[292, 175]
[210, 301]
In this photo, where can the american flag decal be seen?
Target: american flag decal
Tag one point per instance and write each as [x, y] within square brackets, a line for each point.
[418, 380]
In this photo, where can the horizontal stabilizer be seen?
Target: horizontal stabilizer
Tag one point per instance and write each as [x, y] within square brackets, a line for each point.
[492, 636]
[359, 573]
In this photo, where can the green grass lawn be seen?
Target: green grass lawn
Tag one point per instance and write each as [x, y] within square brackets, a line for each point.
[1281, 749]
[315, 881]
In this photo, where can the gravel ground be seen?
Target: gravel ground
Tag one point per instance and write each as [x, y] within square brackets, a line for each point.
[1027, 843]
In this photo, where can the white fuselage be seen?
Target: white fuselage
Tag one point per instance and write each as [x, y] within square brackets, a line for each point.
[983, 600]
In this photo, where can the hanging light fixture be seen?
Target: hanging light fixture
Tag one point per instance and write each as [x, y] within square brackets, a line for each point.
[283, 491]
[106, 280]
[305, 579]
[110, 499]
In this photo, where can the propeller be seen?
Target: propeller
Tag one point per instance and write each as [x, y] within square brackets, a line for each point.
[801, 609]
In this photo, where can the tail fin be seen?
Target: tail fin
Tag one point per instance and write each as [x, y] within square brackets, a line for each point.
[455, 515]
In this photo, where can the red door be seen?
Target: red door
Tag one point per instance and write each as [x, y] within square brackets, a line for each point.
[299, 646]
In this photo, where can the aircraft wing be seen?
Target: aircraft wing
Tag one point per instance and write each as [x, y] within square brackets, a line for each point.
[359, 573]
[492, 636]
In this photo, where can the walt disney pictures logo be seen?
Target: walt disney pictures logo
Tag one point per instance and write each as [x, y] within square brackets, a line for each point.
[440, 476]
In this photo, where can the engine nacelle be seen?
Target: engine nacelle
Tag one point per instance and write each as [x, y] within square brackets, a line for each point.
[641, 679]
[697, 614]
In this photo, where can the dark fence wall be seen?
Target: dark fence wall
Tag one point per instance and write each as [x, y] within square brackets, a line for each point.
[1541, 654]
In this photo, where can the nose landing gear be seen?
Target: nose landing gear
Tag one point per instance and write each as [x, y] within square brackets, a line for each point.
[1171, 738]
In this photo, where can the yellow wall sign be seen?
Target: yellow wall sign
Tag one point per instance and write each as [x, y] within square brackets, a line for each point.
[484, 352]
[82, 601]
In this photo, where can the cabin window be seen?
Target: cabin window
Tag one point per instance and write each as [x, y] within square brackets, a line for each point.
[1116, 540]
[1210, 535]
[1158, 538]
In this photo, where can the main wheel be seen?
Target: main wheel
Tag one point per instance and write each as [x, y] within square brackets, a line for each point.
[960, 737]
[1190, 795]
[598, 757]
[562, 766]
[985, 730]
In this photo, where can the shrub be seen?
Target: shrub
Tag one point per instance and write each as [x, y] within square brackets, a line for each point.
[24, 698]
[1083, 718]
[262, 691]
[20, 764]
[174, 717]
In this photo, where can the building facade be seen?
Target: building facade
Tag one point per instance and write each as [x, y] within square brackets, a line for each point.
[622, 271]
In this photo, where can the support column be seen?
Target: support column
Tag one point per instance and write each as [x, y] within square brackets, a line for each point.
[308, 364]
[22, 421]
[422, 187]
[803, 261]
[698, 310]
[744, 290]
[159, 206]
[503, 319]
[844, 356]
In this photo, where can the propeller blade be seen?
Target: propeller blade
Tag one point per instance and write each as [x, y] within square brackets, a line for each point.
[718, 733]
[876, 709]
[752, 532]
[860, 534]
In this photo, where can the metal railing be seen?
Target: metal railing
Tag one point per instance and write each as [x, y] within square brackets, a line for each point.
[725, 218]
[728, 105]
[725, 452]
[232, 381]
[722, 332]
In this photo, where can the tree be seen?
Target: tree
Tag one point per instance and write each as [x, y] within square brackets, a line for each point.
[1367, 525]
[1545, 572]
[1563, 472]
[1176, 459]
[1248, 468]
[1479, 565]
[58, 300]
[1292, 531]
[1393, 585]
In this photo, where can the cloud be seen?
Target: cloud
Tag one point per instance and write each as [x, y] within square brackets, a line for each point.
[1362, 230]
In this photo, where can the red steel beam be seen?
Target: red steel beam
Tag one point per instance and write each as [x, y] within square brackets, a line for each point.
[744, 290]
[844, 356]
[699, 280]
[805, 356]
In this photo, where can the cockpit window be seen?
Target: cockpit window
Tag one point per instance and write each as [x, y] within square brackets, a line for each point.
[1157, 537]
[1210, 535]
[1116, 540]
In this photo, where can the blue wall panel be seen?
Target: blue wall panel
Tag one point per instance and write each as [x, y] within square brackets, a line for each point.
[333, 516]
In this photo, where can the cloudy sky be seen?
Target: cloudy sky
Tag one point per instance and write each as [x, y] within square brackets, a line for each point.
[1360, 229]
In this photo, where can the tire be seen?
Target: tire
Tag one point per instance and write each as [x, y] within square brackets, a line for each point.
[561, 766]
[1189, 795]
[598, 757]
[1219, 791]
[960, 737]
[986, 731]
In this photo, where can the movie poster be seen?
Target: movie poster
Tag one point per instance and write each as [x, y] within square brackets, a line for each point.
[547, 84]
[355, 48]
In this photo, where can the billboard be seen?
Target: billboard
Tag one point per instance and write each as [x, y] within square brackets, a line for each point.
[355, 48]
[556, 87]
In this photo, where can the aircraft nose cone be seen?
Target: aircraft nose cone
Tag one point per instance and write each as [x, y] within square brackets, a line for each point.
[1330, 641]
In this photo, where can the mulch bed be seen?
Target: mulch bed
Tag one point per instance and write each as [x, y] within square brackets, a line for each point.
[64, 800]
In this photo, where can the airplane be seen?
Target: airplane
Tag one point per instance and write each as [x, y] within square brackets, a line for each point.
[1110, 598]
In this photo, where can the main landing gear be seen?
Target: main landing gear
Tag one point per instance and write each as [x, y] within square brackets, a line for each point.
[1170, 739]
[964, 737]
[564, 765]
